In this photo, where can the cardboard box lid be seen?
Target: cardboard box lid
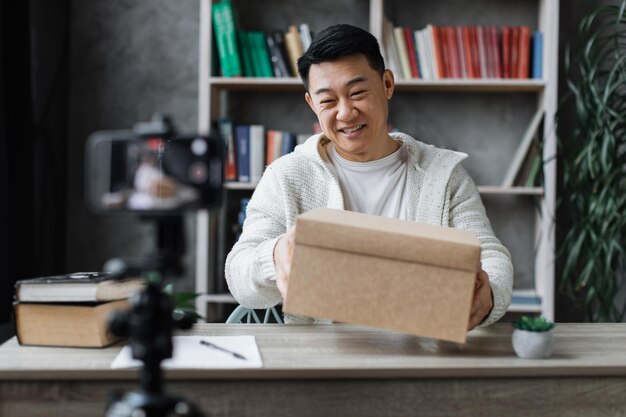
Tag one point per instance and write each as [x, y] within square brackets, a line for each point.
[389, 238]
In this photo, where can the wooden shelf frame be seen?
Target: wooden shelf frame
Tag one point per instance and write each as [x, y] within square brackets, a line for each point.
[210, 103]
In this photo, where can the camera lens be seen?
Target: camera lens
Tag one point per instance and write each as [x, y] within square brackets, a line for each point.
[198, 172]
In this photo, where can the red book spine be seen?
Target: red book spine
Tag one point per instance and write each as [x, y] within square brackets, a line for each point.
[475, 57]
[468, 52]
[454, 52]
[496, 52]
[524, 52]
[515, 52]
[445, 49]
[438, 49]
[410, 46]
[506, 52]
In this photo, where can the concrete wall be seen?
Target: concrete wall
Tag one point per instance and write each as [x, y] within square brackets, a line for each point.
[129, 58]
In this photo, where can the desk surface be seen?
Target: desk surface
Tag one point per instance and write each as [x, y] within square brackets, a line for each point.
[345, 351]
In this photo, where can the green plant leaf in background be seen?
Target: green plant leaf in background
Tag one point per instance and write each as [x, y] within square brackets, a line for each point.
[593, 161]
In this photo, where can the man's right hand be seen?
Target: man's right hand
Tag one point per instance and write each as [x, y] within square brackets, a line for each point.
[283, 252]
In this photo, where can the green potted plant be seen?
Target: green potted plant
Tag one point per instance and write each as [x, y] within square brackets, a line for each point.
[532, 337]
[593, 161]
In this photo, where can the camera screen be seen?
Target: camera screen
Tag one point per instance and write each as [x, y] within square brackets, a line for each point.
[152, 174]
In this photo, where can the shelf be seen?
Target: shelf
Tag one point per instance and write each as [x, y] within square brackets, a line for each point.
[446, 85]
[495, 189]
[483, 189]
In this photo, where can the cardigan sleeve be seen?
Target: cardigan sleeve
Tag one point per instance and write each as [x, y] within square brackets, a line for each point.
[467, 211]
[250, 271]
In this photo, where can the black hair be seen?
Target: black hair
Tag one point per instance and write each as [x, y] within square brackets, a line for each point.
[339, 41]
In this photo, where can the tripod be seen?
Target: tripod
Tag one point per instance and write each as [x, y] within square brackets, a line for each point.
[149, 324]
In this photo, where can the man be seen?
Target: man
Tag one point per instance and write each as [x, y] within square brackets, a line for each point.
[355, 164]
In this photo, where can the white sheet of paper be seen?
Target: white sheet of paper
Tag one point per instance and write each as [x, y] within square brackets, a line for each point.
[191, 354]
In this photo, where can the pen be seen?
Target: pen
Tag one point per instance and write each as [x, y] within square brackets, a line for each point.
[214, 346]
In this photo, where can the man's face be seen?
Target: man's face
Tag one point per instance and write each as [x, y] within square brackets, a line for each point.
[350, 100]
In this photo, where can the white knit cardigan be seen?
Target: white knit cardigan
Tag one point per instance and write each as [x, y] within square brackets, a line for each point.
[440, 192]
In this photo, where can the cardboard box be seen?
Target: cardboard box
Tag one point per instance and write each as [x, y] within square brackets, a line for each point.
[398, 275]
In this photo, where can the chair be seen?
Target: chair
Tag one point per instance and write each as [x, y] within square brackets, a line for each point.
[245, 315]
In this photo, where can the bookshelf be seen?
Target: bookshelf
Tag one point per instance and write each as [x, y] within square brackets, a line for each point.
[483, 117]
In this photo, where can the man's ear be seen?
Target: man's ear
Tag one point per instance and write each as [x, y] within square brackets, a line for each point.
[309, 100]
[389, 83]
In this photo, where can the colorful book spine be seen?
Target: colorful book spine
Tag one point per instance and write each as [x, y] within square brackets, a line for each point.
[257, 152]
[226, 39]
[259, 47]
[294, 47]
[537, 56]
[242, 135]
[278, 64]
[225, 126]
[524, 52]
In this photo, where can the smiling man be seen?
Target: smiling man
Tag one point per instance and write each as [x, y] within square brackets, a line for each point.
[355, 164]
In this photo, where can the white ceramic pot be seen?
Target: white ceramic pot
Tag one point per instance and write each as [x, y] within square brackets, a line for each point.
[532, 345]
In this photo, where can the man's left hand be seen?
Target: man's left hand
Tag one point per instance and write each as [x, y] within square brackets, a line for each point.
[483, 300]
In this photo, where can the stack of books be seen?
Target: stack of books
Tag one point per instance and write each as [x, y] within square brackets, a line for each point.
[70, 310]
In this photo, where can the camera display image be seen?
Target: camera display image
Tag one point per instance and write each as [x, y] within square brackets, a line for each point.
[152, 174]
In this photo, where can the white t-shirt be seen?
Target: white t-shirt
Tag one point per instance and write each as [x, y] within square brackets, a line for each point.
[374, 187]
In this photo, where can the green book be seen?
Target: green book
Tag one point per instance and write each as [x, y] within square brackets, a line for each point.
[254, 53]
[246, 53]
[263, 56]
[226, 38]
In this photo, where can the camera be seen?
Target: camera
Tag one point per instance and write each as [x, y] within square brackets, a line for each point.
[153, 170]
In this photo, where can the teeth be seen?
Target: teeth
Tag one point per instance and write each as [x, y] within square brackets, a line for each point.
[354, 129]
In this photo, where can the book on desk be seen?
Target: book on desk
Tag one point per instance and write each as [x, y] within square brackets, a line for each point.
[70, 310]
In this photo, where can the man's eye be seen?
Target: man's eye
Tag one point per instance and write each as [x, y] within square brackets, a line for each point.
[328, 101]
[357, 93]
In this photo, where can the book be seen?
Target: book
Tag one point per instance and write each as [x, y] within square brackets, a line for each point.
[246, 54]
[537, 55]
[260, 52]
[461, 51]
[392, 59]
[288, 144]
[422, 54]
[274, 146]
[278, 63]
[226, 39]
[257, 152]
[522, 149]
[242, 137]
[69, 325]
[433, 33]
[77, 287]
[506, 54]
[467, 52]
[279, 40]
[225, 126]
[403, 52]
[294, 47]
[306, 37]
[514, 50]
[412, 51]
[524, 52]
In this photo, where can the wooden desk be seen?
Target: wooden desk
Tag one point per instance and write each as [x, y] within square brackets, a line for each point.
[342, 370]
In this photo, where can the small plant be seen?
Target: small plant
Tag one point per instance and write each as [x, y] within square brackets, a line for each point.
[533, 324]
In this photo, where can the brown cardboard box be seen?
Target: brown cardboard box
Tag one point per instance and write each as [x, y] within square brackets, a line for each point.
[393, 274]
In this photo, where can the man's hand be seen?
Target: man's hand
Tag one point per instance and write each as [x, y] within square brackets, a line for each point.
[283, 252]
[483, 300]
